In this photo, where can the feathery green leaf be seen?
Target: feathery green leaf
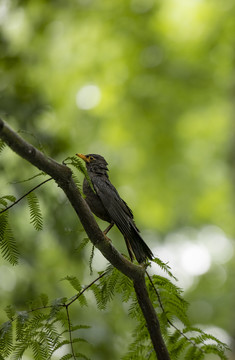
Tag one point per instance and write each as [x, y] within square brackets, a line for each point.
[2, 145]
[74, 282]
[164, 266]
[6, 339]
[44, 299]
[4, 199]
[10, 311]
[3, 224]
[35, 212]
[84, 242]
[8, 244]
[78, 164]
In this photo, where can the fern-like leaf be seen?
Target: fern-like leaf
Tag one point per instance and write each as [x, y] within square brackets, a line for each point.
[6, 339]
[35, 212]
[19, 350]
[171, 298]
[165, 267]
[56, 306]
[8, 244]
[81, 246]
[10, 311]
[78, 164]
[3, 224]
[74, 282]
[190, 353]
[124, 286]
[67, 357]
[178, 347]
[215, 349]
[77, 182]
[6, 198]
[105, 290]
[2, 145]
[39, 351]
[98, 296]
[44, 299]
[21, 323]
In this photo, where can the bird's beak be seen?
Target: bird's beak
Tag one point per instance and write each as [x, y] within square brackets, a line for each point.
[83, 157]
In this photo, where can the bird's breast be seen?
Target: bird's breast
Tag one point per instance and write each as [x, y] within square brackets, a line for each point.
[94, 202]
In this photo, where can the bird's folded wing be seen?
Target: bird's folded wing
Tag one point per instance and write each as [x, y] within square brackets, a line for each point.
[115, 206]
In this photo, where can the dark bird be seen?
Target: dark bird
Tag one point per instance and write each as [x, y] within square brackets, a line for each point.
[105, 202]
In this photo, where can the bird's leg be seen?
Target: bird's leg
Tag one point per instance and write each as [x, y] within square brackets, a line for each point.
[105, 232]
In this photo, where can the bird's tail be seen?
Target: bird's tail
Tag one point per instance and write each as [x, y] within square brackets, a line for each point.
[135, 244]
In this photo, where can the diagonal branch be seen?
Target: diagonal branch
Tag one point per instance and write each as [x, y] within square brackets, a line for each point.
[63, 177]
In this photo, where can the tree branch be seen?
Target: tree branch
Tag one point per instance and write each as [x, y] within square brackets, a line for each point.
[63, 177]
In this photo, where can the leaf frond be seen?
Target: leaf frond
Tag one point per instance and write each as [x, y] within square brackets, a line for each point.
[8, 244]
[35, 211]
[2, 145]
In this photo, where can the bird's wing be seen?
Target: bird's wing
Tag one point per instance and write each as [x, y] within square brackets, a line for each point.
[122, 216]
[115, 206]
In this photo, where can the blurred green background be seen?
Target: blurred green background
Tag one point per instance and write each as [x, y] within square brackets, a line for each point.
[150, 86]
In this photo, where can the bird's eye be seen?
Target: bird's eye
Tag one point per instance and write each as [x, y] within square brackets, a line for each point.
[91, 158]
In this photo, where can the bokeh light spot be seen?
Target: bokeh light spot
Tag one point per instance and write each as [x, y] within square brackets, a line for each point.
[88, 97]
[195, 259]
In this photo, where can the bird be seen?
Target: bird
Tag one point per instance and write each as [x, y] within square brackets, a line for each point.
[105, 202]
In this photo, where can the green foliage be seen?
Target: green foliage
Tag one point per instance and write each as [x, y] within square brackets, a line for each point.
[113, 282]
[6, 339]
[3, 224]
[167, 298]
[178, 154]
[8, 244]
[73, 280]
[164, 267]
[10, 311]
[78, 164]
[170, 297]
[44, 299]
[83, 243]
[2, 145]
[43, 330]
[35, 212]
[3, 200]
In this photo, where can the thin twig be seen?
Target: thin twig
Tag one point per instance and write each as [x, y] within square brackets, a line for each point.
[14, 203]
[70, 331]
[87, 287]
[163, 310]
[66, 305]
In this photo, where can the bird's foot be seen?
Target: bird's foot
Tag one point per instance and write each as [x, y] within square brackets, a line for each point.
[105, 232]
[107, 237]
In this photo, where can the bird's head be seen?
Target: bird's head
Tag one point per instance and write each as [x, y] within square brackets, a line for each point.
[94, 163]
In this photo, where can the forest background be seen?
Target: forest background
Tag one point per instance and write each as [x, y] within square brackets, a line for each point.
[150, 86]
